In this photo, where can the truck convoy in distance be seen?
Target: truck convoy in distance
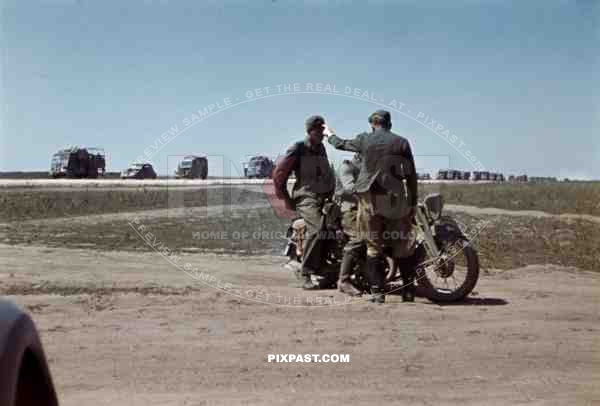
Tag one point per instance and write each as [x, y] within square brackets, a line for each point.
[259, 166]
[192, 167]
[78, 162]
[90, 162]
[452, 174]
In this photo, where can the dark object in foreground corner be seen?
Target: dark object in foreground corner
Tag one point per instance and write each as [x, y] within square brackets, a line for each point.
[25, 378]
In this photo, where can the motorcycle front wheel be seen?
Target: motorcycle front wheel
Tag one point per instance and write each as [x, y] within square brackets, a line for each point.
[455, 278]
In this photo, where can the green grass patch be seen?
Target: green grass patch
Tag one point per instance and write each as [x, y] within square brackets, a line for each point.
[557, 198]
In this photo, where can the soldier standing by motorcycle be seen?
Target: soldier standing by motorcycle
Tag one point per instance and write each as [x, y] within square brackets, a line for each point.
[387, 205]
[315, 183]
[355, 248]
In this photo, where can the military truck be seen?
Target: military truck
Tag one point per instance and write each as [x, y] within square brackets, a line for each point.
[259, 166]
[455, 174]
[139, 170]
[78, 162]
[192, 167]
[521, 178]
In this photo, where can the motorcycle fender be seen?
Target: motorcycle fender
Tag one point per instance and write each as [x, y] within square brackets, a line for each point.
[447, 229]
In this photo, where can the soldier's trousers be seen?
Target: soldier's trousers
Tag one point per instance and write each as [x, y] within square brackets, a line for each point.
[355, 245]
[383, 222]
[309, 208]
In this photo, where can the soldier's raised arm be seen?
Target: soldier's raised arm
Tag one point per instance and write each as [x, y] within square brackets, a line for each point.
[353, 145]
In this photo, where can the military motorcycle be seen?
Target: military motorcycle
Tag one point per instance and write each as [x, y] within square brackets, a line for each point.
[448, 265]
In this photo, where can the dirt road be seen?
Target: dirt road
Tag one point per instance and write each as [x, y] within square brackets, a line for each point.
[123, 328]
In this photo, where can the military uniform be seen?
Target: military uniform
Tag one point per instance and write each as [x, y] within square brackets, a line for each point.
[344, 193]
[385, 200]
[315, 182]
[355, 247]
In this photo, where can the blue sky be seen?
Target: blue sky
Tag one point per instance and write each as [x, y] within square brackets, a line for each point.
[515, 82]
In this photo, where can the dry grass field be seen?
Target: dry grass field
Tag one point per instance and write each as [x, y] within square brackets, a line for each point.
[123, 326]
[556, 198]
[20, 204]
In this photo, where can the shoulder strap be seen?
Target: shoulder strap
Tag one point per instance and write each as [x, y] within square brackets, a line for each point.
[300, 149]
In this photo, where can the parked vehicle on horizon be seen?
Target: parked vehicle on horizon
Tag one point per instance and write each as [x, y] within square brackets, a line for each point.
[259, 166]
[456, 175]
[521, 179]
[442, 174]
[138, 170]
[192, 167]
[78, 162]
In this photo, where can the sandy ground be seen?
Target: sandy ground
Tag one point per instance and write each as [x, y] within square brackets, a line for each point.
[124, 328]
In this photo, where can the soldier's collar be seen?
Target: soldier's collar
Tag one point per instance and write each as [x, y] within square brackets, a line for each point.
[309, 144]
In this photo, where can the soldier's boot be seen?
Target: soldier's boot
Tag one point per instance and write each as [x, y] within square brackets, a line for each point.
[310, 262]
[308, 282]
[408, 272]
[376, 275]
[344, 285]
